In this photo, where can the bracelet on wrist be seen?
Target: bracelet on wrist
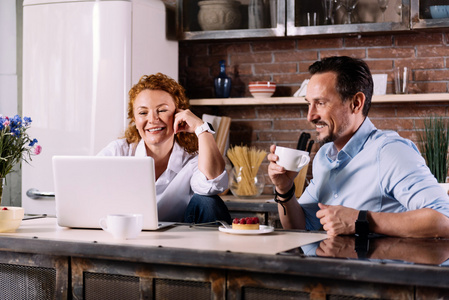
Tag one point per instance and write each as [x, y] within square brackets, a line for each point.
[287, 196]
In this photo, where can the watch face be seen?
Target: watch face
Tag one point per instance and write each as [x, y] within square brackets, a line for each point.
[210, 126]
[361, 227]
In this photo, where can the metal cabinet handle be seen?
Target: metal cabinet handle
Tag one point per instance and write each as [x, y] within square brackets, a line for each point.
[36, 194]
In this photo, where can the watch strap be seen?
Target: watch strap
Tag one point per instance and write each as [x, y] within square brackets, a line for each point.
[203, 128]
[362, 246]
[363, 216]
[362, 224]
[287, 196]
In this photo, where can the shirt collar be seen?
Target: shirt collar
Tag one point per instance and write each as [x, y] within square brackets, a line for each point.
[177, 156]
[355, 144]
[141, 150]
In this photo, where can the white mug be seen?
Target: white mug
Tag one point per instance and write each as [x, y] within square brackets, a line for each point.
[291, 159]
[122, 226]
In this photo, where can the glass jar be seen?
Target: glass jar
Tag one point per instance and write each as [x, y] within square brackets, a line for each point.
[245, 183]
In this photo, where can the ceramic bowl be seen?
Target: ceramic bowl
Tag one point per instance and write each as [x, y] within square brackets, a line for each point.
[10, 218]
[439, 11]
[219, 14]
[261, 89]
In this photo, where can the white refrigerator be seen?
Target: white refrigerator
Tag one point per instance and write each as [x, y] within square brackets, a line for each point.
[80, 58]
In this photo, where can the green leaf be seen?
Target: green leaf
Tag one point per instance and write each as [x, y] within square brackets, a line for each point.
[434, 142]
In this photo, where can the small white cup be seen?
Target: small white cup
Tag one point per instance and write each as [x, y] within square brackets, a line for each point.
[122, 226]
[292, 159]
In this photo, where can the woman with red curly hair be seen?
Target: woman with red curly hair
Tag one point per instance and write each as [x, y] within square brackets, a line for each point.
[190, 170]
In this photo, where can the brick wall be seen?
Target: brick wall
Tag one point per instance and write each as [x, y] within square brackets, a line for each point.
[285, 61]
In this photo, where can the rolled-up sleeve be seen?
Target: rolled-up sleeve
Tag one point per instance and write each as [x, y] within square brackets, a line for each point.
[201, 185]
[406, 178]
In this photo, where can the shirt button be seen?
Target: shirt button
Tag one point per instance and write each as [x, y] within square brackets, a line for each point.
[335, 195]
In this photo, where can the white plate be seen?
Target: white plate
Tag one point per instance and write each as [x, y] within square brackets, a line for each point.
[262, 229]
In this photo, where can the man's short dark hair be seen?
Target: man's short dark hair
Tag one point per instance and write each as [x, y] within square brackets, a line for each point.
[353, 76]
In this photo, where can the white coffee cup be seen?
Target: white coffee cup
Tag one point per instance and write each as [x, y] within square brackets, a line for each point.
[122, 226]
[292, 159]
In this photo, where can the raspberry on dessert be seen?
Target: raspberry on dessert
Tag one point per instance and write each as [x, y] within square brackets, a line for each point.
[248, 223]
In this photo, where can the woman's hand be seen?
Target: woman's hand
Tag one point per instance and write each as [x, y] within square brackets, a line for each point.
[210, 161]
[186, 121]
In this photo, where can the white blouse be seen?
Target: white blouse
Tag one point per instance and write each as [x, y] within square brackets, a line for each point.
[178, 183]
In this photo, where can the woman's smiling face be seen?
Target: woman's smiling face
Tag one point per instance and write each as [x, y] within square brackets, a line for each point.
[154, 112]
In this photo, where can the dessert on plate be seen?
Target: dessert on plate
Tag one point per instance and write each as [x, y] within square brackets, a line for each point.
[248, 223]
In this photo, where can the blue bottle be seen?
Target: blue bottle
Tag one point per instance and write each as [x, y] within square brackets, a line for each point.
[222, 82]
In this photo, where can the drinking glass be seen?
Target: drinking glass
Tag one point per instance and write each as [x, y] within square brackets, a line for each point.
[328, 6]
[383, 4]
[349, 6]
[401, 75]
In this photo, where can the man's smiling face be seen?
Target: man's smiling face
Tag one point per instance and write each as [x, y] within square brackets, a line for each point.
[332, 117]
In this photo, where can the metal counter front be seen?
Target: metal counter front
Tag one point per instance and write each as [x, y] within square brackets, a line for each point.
[185, 262]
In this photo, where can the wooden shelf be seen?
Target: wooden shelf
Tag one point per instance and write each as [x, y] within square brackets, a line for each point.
[300, 100]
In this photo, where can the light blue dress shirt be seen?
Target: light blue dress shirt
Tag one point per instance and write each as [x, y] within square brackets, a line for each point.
[377, 171]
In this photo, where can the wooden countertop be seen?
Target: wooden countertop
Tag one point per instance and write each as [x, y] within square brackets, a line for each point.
[207, 247]
[185, 237]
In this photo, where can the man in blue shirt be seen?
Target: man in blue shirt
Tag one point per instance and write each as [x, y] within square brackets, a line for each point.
[364, 179]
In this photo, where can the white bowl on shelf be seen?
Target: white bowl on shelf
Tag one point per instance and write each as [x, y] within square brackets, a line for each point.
[439, 11]
[262, 89]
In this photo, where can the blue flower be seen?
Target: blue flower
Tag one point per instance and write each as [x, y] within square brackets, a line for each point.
[3, 121]
[33, 142]
[27, 121]
[16, 119]
[15, 131]
[16, 122]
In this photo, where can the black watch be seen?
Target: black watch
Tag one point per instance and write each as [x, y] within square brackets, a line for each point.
[362, 224]
[362, 246]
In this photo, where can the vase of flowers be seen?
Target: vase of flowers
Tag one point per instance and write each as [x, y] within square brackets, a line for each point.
[15, 145]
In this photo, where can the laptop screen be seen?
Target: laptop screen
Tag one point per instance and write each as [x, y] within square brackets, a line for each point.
[87, 188]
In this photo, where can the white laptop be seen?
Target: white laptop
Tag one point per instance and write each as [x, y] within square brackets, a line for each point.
[87, 188]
